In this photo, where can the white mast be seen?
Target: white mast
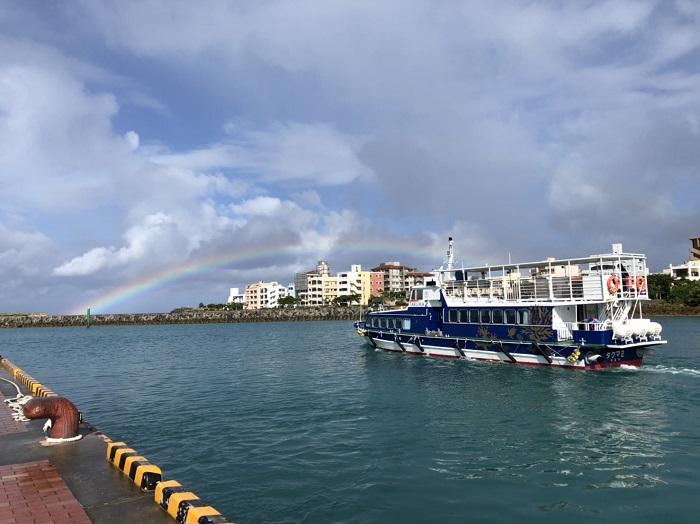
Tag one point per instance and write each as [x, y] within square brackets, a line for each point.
[449, 258]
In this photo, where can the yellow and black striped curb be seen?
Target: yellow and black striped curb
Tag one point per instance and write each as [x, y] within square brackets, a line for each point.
[144, 474]
[35, 388]
[182, 505]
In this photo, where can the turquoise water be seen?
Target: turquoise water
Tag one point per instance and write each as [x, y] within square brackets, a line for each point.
[301, 422]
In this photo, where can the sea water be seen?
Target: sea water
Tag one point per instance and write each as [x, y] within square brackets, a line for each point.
[303, 422]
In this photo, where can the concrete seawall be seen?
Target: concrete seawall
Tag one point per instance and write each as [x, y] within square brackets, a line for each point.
[187, 317]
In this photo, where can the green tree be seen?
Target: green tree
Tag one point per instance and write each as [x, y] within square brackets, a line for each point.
[375, 301]
[660, 285]
[346, 300]
[680, 291]
[693, 296]
[288, 301]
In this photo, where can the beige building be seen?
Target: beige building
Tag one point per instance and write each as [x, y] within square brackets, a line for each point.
[691, 268]
[316, 288]
[263, 295]
[321, 290]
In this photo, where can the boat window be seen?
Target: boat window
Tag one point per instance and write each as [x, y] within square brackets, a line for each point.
[474, 316]
[459, 275]
[485, 316]
[498, 316]
[454, 315]
[406, 324]
[419, 294]
[523, 316]
[463, 316]
[510, 316]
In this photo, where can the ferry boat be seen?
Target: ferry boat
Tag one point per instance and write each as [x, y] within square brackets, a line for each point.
[579, 313]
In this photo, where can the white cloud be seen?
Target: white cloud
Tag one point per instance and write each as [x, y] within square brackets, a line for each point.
[292, 151]
[23, 253]
[258, 206]
[541, 124]
[132, 138]
[157, 236]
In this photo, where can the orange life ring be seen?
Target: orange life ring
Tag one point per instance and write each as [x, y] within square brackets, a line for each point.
[613, 284]
[641, 284]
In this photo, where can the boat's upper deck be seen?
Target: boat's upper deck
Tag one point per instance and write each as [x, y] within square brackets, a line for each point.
[597, 278]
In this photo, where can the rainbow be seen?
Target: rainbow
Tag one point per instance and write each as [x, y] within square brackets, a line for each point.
[107, 301]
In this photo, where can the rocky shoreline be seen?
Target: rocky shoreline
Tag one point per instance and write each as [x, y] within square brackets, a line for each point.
[195, 316]
[186, 317]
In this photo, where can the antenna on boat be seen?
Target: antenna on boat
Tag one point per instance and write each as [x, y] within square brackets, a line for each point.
[449, 258]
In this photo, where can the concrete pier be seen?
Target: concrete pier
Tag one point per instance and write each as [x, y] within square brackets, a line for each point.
[71, 482]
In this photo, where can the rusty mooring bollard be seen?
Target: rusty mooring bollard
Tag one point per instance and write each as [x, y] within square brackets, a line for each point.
[63, 414]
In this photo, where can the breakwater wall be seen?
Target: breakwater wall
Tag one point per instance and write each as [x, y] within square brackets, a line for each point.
[188, 317]
[667, 309]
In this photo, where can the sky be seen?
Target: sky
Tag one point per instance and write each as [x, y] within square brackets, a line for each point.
[155, 153]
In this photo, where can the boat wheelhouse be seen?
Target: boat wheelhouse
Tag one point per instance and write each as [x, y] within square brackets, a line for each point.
[583, 313]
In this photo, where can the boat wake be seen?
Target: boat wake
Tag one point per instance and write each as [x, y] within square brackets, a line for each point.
[690, 372]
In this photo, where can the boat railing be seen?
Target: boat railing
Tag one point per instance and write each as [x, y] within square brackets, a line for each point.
[587, 287]
[593, 325]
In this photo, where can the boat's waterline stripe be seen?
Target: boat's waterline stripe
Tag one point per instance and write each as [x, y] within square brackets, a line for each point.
[634, 363]
[146, 476]
[105, 301]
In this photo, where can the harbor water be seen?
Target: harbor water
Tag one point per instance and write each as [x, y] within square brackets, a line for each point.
[303, 422]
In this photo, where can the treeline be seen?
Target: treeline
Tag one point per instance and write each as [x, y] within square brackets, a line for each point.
[675, 291]
[386, 299]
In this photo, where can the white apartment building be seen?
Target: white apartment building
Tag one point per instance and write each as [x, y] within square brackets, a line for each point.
[355, 282]
[262, 295]
[234, 297]
[691, 268]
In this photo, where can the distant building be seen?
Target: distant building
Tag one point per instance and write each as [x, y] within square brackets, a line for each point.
[417, 278]
[376, 283]
[691, 268]
[291, 291]
[263, 295]
[394, 276]
[320, 291]
[316, 288]
[234, 297]
[355, 282]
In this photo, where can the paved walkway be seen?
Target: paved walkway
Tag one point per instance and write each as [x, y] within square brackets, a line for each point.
[34, 493]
